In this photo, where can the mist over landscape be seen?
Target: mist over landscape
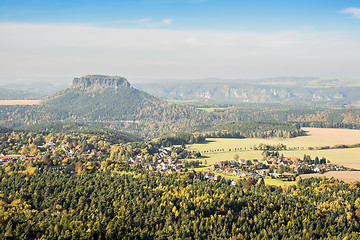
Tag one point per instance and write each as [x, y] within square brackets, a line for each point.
[189, 119]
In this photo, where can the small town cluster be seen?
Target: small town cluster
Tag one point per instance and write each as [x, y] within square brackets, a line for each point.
[170, 160]
[167, 161]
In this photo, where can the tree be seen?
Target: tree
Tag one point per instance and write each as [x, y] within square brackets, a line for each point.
[316, 161]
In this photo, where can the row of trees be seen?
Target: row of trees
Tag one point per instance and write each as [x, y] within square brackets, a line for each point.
[251, 129]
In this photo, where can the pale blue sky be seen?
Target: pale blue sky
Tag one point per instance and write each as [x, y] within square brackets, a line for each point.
[180, 38]
[235, 15]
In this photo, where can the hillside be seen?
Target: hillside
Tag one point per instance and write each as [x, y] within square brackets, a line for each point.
[290, 90]
[113, 102]
[77, 128]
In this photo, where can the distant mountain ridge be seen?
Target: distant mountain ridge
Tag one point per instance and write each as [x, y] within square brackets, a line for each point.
[290, 90]
[10, 94]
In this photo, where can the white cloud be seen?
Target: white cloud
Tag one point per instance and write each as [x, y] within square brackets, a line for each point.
[167, 21]
[73, 50]
[355, 12]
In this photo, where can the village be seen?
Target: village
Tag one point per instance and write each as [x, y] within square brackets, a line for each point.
[171, 160]
[282, 167]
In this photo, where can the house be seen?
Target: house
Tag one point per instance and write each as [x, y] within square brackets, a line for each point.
[237, 172]
[232, 162]
[172, 170]
[234, 183]
[260, 172]
[242, 161]
[316, 169]
[50, 144]
[256, 175]
[209, 175]
[285, 162]
[275, 175]
[69, 168]
[245, 174]
[227, 170]
[31, 158]
[255, 162]
[6, 159]
[223, 163]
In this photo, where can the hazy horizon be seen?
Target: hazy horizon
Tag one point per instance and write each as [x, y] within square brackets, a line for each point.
[187, 39]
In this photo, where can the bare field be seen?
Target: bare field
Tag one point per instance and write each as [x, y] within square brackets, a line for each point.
[349, 157]
[346, 176]
[344, 136]
[20, 102]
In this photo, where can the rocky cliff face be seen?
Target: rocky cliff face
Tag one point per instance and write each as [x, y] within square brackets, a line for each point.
[100, 81]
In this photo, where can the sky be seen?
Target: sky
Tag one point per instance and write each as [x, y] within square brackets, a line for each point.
[181, 39]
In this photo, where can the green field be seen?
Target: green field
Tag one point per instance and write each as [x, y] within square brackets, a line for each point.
[219, 149]
[278, 182]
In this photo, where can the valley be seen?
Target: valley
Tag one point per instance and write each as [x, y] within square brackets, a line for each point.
[179, 120]
[102, 147]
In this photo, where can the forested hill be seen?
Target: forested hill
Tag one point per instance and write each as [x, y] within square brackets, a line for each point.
[113, 102]
[97, 97]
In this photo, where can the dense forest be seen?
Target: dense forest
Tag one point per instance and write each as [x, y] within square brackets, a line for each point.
[162, 118]
[83, 141]
[112, 201]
